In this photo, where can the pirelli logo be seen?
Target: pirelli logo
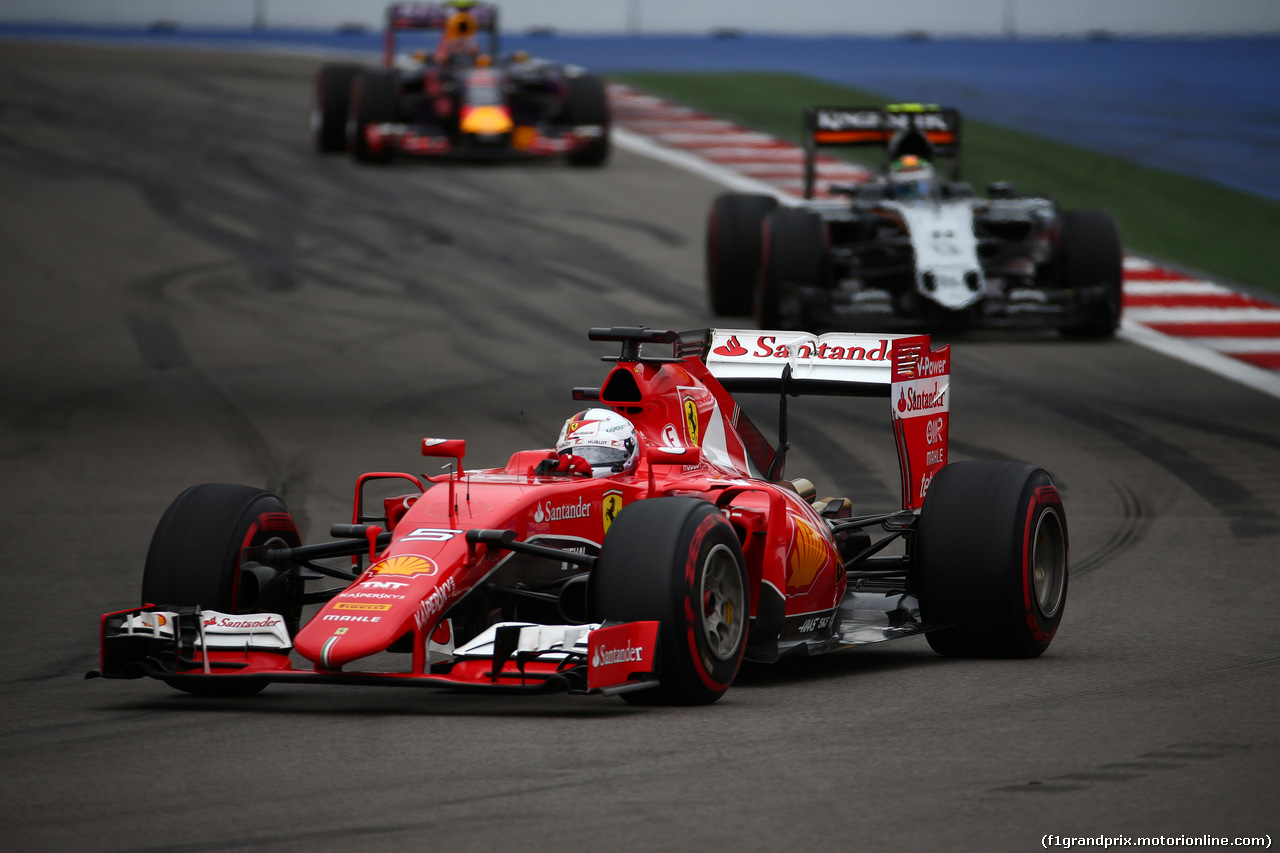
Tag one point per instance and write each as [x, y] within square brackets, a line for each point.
[360, 605]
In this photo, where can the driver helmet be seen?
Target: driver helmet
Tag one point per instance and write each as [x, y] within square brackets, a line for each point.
[458, 42]
[911, 178]
[605, 439]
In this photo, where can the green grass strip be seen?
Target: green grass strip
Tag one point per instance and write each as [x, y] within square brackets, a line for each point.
[1221, 233]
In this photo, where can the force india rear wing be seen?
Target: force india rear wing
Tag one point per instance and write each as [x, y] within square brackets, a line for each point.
[925, 130]
[904, 368]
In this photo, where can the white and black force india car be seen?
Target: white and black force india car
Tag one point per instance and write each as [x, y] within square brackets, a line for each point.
[910, 244]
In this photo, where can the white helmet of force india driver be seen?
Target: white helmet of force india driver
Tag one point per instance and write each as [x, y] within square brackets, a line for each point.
[605, 439]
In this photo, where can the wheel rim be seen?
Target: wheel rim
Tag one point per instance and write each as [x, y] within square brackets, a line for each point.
[724, 612]
[1049, 563]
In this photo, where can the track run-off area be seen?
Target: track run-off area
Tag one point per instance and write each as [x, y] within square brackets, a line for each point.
[192, 294]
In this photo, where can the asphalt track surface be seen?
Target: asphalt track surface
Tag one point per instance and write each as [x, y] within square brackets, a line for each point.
[193, 295]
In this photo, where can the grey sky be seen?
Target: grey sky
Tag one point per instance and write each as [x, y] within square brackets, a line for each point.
[826, 17]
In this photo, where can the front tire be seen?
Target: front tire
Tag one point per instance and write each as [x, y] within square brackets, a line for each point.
[677, 561]
[194, 561]
[588, 104]
[991, 560]
[733, 250]
[373, 101]
[1091, 257]
[332, 103]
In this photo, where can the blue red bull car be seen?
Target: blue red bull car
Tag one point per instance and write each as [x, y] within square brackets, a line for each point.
[460, 97]
[653, 581]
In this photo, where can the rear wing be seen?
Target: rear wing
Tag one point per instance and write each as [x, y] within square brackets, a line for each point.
[925, 130]
[436, 16]
[903, 368]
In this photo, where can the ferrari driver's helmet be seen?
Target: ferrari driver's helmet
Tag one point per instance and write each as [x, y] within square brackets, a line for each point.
[911, 178]
[605, 439]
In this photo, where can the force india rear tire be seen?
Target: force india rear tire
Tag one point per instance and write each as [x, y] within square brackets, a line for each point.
[793, 258]
[991, 560]
[677, 561]
[733, 250]
[194, 561]
[332, 103]
[1092, 257]
[373, 101]
[588, 104]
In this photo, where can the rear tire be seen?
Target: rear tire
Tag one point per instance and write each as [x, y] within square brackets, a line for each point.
[373, 101]
[733, 250]
[1091, 256]
[588, 104]
[194, 561]
[332, 102]
[991, 560]
[794, 258]
[677, 561]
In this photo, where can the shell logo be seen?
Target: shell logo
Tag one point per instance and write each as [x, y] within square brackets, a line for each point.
[407, 564]
[808, 555]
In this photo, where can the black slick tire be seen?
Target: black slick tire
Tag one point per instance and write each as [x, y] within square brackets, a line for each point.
[588, 104]
[677, 561]
[990, 560]
[332, 102]
[373, 101]
[1091, 257]
[793, 258]
[194, 560]
[733, 250]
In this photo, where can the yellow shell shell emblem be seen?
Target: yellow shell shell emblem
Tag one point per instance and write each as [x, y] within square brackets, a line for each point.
[691, 420]
[808, 554]
[407, 564]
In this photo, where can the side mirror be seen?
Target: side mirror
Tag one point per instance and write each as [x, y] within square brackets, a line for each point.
[663, 455]
[445, 448]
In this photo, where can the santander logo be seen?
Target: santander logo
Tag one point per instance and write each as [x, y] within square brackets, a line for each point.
[911, 401]
[564, 512]
[731, 348]
[624, 654]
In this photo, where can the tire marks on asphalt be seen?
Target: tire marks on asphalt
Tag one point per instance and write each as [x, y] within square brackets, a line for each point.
[1176, 756]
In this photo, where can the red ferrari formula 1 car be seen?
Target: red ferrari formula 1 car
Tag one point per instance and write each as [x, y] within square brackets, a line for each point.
[657, 547]
[459, 99]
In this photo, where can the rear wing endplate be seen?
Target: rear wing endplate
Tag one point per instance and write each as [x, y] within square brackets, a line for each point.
[904, 368]
[926, 130]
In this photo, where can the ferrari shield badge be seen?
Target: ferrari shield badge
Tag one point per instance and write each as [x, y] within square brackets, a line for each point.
[611, 505]
[691, 420]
